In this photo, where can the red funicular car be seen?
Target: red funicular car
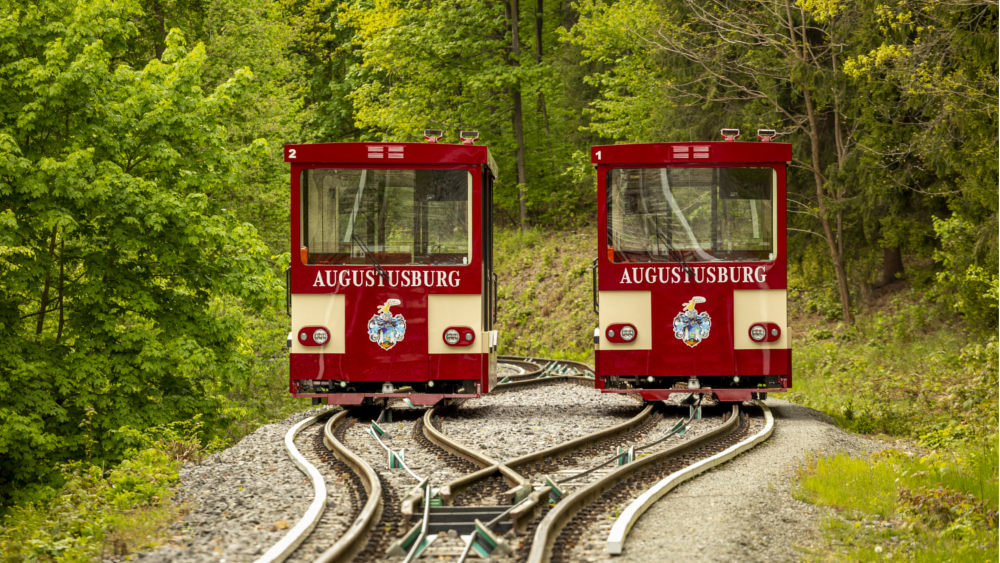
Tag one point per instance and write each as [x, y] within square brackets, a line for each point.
[392, 289]
[692, 268]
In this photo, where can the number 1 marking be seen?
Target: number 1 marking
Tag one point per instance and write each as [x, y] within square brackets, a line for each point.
[291, 153]
[598, 155]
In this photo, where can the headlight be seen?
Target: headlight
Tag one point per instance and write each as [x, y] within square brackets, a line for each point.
[320, 336]
[627, 333]
[451, 336]
[758, 333]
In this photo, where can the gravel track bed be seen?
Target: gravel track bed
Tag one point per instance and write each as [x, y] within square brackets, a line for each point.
[423, 461]
[588, 544]
[744, 510]
[507, 425]
[241, 500]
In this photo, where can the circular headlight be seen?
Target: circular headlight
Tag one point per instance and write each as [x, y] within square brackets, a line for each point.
[611, 333]
[303, 337]
[627, 333]
[468, 336]
[451, 336]
[774, 332]
[320, 336]
[757, 333]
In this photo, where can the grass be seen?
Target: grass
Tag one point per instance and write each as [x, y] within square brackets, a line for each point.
[544, 301]
[937, 507]
[910, 372]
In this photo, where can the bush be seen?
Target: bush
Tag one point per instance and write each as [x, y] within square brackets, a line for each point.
[94, 509]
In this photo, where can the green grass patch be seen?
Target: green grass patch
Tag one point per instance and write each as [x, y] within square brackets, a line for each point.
[937, 507]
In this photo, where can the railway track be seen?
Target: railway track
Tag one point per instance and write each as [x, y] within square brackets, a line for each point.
[501, 499]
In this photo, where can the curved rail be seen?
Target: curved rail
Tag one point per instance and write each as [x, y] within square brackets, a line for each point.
[281, 550]
[560, 515]
[582, 442]
[489, 465]
[354, 540]
[623, 525]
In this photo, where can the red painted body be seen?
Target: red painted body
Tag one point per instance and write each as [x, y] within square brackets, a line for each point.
[714, 360]
[408, 361]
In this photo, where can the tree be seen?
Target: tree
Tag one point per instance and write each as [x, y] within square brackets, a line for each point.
[112, 251]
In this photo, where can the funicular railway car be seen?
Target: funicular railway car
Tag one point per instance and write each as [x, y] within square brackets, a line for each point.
[691, 268]
[391, 285]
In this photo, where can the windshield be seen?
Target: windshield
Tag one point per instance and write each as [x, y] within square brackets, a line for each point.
[691, 214]
[414, 217]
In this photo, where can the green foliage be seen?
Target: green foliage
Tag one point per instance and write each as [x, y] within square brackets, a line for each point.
[114, 248]
[939, 506]
[92, 508]
[451, 66]
[907, 369]
[544, 296]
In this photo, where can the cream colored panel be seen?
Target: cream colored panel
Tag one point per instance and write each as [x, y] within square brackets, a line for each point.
[327, 310]
[633, 307]
[755, 306]
[444, 311]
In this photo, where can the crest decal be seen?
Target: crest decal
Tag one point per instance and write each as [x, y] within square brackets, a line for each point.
[386, 329]
[691, 326]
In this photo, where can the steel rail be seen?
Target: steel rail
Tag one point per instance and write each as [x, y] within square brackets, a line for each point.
[522, 382]
[629, 516]
[582, 442]
[353, 541]
[294, 538]
[552, 524]
[451, 489]
[489, 465]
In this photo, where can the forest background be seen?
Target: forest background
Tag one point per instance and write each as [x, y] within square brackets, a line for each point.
[144, 199]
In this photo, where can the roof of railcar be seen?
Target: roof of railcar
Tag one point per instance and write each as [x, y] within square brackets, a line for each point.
[716, 152]
[390, 153]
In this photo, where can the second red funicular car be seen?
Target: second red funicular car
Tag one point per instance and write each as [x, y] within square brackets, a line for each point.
[692, 268]
[392, 291]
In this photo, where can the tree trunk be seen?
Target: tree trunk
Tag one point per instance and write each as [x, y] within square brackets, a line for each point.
[518, 118]
[892, 265]
[62, 277]
[835, 255]
[45, 289]
[161, 22]
[539, 7]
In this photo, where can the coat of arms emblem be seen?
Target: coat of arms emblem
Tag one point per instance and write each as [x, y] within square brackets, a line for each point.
[386, 329]
[691, 326]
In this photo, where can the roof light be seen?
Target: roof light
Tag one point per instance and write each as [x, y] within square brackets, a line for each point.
[765, 135]
[468, 137]
[432, 135]
[730, 134]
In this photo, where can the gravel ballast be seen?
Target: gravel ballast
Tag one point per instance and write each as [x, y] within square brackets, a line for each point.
[508, 425]
[742, 510]
[242, 500]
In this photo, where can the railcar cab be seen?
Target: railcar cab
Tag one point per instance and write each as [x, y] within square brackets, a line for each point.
[391, 284]
[691, 268]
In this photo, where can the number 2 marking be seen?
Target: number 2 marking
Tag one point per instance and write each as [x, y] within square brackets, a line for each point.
[598, 155]
[291, 153]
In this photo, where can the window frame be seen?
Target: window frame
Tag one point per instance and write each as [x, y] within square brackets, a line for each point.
[299, 205]
[607, 205]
